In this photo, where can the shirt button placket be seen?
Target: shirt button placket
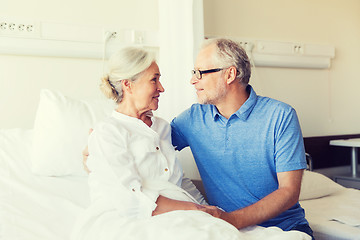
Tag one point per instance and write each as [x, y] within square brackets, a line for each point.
[165, 169]
[227, 134]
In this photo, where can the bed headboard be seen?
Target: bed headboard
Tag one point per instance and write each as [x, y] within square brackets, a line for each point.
[326, 156]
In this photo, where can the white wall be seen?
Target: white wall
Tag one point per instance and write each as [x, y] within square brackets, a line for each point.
[327, 101]
[22, 77]
[132, 14]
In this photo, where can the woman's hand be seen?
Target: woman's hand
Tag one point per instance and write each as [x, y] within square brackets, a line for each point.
[165, 204]
[85, 154]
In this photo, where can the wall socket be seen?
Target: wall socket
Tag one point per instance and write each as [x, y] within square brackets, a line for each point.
[137, 37]
[12, 27]
[113, 35]
[247, 45]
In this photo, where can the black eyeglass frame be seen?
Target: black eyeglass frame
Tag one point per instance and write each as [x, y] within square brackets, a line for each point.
[198, 73]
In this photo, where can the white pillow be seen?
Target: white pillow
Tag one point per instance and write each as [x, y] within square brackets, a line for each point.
[316, 185]
[61, 130]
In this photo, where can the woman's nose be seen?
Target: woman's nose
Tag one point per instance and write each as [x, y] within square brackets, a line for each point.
[160, 88]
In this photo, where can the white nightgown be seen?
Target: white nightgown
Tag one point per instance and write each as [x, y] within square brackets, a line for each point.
[130, 164]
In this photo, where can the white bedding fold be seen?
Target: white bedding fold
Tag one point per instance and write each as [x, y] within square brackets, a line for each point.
[176, 225]
[347, 220]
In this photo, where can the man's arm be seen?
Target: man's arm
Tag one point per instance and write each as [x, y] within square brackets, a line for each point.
[270, 206]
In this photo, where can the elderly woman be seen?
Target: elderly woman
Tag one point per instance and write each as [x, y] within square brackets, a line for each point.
[134, 173]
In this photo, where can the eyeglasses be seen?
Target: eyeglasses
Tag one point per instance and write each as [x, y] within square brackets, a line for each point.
[198, 73]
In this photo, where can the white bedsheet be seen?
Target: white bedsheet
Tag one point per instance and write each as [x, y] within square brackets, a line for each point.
[36, 207]
[336, 216]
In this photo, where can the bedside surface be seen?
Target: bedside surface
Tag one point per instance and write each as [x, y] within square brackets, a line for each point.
[351, 142]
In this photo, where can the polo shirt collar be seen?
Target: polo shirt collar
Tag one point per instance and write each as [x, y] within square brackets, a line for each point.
[245, 110]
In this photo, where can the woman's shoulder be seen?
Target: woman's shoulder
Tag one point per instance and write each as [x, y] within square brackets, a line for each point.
[160, 121]
[160, 125]
[110, 126]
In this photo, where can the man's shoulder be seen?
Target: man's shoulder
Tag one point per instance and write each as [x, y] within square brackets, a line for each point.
[197, 107]
[195, 110]
[273, 105]
[193, 114]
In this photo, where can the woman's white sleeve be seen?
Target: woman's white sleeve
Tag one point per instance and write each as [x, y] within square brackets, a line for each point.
[189, 186]
[112, 166]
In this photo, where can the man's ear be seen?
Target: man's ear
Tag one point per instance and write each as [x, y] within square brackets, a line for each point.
[230, 74]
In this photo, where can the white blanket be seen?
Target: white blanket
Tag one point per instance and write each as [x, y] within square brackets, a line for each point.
[179, 225]
[46, 208]
[96, 224]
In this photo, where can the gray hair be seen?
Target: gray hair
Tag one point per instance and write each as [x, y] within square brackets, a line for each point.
[127, 64]
[230, 53]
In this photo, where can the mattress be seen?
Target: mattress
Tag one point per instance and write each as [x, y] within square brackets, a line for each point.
[336, 216]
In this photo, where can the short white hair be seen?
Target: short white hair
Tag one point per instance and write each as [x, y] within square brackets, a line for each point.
[230, 53]
[126, 64]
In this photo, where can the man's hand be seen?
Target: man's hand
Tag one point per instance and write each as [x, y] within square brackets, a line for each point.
[219, 213]
[212, 210]
[271, 205]
[85, 154]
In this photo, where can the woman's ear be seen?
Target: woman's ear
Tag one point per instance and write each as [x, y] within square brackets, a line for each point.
[230, 74]
[126, 85]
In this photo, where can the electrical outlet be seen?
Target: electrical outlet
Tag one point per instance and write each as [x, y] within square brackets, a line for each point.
[13, 27]
[138, 37]
[247, 45]
[298, 48]
[113, 35]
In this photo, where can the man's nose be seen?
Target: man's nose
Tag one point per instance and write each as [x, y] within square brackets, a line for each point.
[193, 79]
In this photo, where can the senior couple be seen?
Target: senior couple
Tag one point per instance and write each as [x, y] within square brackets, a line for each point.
[248, 149]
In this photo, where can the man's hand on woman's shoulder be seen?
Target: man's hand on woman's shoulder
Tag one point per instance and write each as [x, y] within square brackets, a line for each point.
[85, 154]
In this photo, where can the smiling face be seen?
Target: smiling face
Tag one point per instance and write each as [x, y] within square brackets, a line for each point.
[146, 89]
[211, 88]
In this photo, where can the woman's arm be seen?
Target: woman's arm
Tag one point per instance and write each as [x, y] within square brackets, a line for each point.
[165, 205]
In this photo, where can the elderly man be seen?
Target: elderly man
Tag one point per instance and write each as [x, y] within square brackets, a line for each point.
[248, 149]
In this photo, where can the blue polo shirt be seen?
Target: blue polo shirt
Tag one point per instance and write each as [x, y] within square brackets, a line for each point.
[239, 158]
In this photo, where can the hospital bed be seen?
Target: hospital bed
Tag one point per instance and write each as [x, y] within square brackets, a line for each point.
[44, 188]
